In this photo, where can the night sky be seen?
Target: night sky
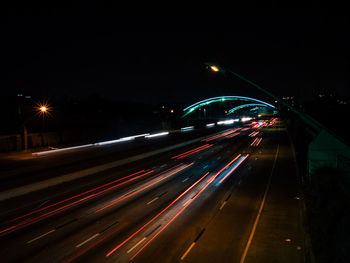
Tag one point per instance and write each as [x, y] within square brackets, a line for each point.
[156, 55]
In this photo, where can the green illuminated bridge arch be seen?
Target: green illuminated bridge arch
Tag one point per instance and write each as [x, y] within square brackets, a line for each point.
[257, 105]
[205, 102]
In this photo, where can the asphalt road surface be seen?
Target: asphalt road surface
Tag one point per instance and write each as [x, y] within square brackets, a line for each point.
[230, 196]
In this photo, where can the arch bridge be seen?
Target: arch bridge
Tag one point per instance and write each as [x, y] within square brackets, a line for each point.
[251, 102]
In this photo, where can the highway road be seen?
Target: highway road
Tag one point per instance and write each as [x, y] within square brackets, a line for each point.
[200, 202]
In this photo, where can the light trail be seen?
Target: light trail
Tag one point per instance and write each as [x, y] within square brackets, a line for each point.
[174, 217]
[256, 142]
[95, 244]
[242, 158]
[189, 128]
[70, 198]
[232, 135]
[220, 135]
[183, 156]
[253, 143]
[157, 135]
[124, 139]
[254, 133]
[31, 220]
[227, 165]
[155, 217]
[176, 156]
[145, 187]
[63, 149]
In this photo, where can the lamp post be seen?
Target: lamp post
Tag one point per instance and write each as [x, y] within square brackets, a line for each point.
[304, 117]
[43, 110]
[324, 150]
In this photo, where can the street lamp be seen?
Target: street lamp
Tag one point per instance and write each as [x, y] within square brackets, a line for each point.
[304, 117]
[324, 149]
[43, 109]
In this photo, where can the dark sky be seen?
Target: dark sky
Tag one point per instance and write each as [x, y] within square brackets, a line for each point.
[156, 55]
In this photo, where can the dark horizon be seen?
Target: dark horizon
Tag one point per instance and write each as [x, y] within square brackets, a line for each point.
[158, 57]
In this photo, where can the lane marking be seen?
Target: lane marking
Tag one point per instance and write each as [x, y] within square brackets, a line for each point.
[43, 203]
[52, 230]
[223, 204]
[154, 199]
[138, 243]
[192, 245]
[87, 240]
[82, 173]
[245, 252]
[166, 174]
[205, 166]
[41, 236]
[187, 202]
[159, 214]
[184, 180]
[116, 222]
[154, 229]
[187, 251]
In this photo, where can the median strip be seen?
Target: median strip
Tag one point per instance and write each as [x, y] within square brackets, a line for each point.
[26, 189]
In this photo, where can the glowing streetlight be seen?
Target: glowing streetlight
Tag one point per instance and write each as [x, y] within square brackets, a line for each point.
[304, 117]
[214, 68]
[43, 109]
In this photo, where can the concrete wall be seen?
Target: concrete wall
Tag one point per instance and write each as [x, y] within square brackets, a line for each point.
[9, 143]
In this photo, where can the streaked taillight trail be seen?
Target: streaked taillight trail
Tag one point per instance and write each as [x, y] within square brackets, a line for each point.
[239, 159]
[195, 150]
[145, 187]
[136, 175]
[155, 217]
[220, 135]
[91, 193]
[256, 142]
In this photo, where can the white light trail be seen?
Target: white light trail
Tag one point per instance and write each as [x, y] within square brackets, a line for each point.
[157, 134]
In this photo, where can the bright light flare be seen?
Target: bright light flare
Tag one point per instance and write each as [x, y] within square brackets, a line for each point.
[43, 109]
[214, 68]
